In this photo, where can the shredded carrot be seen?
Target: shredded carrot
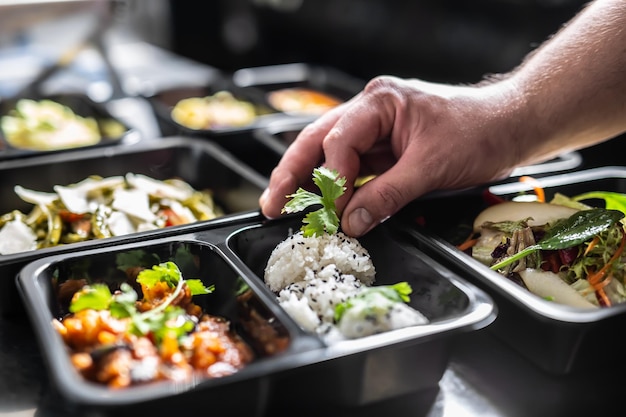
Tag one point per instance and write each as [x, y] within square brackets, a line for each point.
[592, 245]
[596, 277]
[467, 244]
[604, 300]
[539, 192]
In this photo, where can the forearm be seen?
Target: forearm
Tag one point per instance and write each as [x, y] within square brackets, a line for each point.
[573, 88]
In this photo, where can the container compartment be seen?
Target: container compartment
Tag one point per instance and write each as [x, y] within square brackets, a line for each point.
[204, 165]
[386, 365]
[112, 130]
[556, 338]
[43, 286]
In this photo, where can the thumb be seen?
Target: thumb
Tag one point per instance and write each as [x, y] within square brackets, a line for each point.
[379, 199]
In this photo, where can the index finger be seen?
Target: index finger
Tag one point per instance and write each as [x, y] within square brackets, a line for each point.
[296, 166]
[356, 132]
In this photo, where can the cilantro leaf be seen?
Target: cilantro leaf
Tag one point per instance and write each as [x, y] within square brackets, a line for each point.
[123, 304]
[164, 319]
[95, 297]
[197, 287]
[167, 272]
[325, 219]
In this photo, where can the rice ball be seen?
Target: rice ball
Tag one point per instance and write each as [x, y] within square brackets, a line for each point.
[324, 292]
[299, 258]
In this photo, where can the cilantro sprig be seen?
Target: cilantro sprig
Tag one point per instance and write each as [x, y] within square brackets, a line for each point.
[325, 219]
[122, 304]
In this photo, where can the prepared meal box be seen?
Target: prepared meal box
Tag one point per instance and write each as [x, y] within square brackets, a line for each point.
[368, 369]
[36, 125]
[220, 112]
[232, 257]
[229, 185]
[300, 89]
[139, 361]
[555, 337]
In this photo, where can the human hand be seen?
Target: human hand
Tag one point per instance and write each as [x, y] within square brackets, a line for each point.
[414, 136]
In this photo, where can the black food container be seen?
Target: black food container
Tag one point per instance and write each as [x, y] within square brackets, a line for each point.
[321, 86]
[203, 165]
[556, 338]
[346, 375]
[237, 139]
[113, 131]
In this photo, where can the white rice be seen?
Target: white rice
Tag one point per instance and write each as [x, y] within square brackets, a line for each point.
[300, 258]
[312, 275]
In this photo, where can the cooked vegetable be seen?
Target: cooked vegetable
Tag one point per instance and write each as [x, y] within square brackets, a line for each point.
[122, 339]
[48, 125]
[220, 110]
[98, 208]
[550, 286]
[302, 100]
[534, 212]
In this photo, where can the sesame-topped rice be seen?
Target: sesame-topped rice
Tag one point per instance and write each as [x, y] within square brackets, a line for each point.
[300, 258]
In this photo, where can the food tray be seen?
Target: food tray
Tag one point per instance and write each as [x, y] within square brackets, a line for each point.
[164, 100]
[202, 164]
[278, 135]
[237, 139]
[350, 373]
[556, 338]
[318, 79]
[80, 105]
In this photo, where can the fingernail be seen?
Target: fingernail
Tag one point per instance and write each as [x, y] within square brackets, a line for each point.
[360, 221]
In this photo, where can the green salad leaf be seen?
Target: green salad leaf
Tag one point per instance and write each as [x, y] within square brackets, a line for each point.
[613, 201]
[325, 219]
[578, 228]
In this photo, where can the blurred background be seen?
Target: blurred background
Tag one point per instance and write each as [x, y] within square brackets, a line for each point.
[444, 40]
[152, 43]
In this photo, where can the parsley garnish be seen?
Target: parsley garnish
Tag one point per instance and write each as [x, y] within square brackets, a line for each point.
[325, 219]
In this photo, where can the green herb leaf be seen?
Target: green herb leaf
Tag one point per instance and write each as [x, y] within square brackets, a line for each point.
[578, 228]
[197, 287]
[123, 304]
[95, 297]
[167, 272]
[613, 201]
[325, 219]
[396, 293]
